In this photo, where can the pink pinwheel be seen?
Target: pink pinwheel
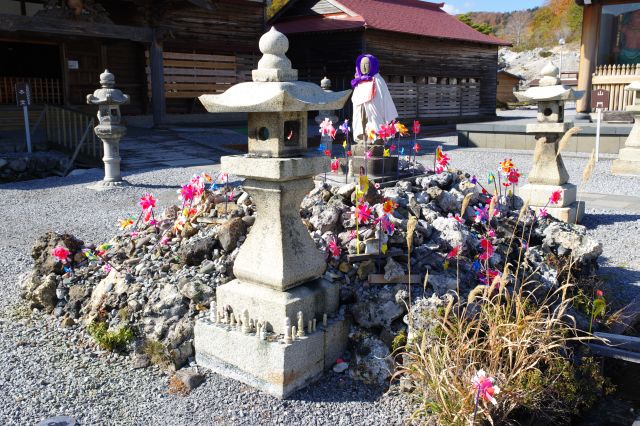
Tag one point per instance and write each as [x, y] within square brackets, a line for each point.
[369, 154]
[335, 165]
[488, 249]
[386, 225]
[187, 193]
[362, 213]
[482, 214]
[147, 201]
[392, 147]
[416, 127]
[334, 248]
[416, 148]
[454, 252]
[543, 212]
[484, 387]
[164, 240]
[513, 176]
[327, 129]
[555, 197]
[61, 253]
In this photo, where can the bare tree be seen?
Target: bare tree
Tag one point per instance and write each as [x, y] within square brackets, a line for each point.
[516, 27]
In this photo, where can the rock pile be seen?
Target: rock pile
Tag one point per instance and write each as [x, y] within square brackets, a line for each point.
[23, 166]
[162, 276]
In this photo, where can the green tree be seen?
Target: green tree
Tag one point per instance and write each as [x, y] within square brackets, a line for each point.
[481, 27]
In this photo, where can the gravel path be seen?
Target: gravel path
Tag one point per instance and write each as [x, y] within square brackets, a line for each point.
[48, 371]
[45, 371]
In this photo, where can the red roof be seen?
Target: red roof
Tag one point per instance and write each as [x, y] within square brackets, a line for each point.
[403, 16]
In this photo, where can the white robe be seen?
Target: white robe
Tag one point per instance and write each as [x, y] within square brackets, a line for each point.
[379, 110]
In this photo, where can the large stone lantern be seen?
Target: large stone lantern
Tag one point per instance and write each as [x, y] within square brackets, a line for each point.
[109, 128]
[278, 268]
[628, 162]
[549, 173]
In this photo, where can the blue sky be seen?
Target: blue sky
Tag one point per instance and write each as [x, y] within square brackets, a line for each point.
[463, 6]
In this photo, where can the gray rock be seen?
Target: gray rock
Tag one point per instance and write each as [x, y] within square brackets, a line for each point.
[566, 239]
[190, 378]
[325, 218]
[195, 251]
[40, 292]
[442, 283]
[230, 232]
[376, 309]
[18, 164]
[393, 270]
[373, 363]
[449, 233]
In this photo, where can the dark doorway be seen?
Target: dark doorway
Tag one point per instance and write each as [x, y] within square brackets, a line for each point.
[30, 60]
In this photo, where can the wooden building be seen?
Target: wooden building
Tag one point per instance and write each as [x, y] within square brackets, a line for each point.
[435, 65]
[507, 84]
[164, 53]
[609, 51]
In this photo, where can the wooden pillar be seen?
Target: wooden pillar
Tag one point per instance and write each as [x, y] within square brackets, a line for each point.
[588, 52]
[66, 92]
[158, 105]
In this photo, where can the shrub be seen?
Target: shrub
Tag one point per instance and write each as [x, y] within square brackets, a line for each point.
[110, 340]
[524, 343]
[157, 353]
[545, 54]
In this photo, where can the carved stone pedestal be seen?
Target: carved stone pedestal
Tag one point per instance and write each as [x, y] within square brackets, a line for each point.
[378, 166]
[628, 162]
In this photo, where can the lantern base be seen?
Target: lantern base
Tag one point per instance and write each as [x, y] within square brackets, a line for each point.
[105, 185]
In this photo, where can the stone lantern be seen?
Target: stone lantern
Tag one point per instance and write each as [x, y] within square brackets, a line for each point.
[549, 173]
[109, 129]
[325, 83]
[628, 162]
[278, 267]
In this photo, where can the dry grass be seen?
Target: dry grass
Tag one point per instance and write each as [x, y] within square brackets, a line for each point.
[588, 170]
[524, 343]
[539, 148]
[565, 139]
[176, 387]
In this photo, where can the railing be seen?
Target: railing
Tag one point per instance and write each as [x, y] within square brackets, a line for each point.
[43, 90]
[72, 131]
[614, 78]
[414, 100]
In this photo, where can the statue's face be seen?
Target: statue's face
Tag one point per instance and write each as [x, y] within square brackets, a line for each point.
[365, 65]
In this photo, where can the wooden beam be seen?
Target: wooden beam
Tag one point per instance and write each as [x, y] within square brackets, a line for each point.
[69, 27]
[588, 52]
[156, 63]
[403, 279]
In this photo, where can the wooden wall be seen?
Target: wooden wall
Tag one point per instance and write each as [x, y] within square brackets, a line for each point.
[403, 59]
[506, 84]
[419, 57]
[124, 59]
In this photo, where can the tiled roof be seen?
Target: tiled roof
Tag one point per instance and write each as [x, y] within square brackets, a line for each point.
[403, 16]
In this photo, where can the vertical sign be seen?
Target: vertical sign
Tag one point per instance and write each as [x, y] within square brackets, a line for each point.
[23, 99]
[599, 101]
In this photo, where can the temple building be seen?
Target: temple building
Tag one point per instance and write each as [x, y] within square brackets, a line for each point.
[163, 53]
[610, 51]
[436, 67]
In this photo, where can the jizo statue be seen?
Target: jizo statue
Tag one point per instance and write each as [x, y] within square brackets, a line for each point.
[372, 103]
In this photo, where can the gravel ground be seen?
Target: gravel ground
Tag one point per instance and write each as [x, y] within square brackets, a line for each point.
[47, 372]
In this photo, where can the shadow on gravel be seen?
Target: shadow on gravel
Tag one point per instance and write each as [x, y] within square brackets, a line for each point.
[620, 274]
[334, 387]
[592, 220]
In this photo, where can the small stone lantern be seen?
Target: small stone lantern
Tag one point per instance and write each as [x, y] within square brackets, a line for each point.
[109, 130]
[549, 173]
[628, 162]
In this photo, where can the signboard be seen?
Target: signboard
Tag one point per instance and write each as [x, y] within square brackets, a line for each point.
[23, 94]
[73, 65]
[599, 99]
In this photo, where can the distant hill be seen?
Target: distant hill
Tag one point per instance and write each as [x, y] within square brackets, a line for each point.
[532, 28]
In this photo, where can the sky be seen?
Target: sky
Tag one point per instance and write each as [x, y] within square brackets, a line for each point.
[462, 6]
